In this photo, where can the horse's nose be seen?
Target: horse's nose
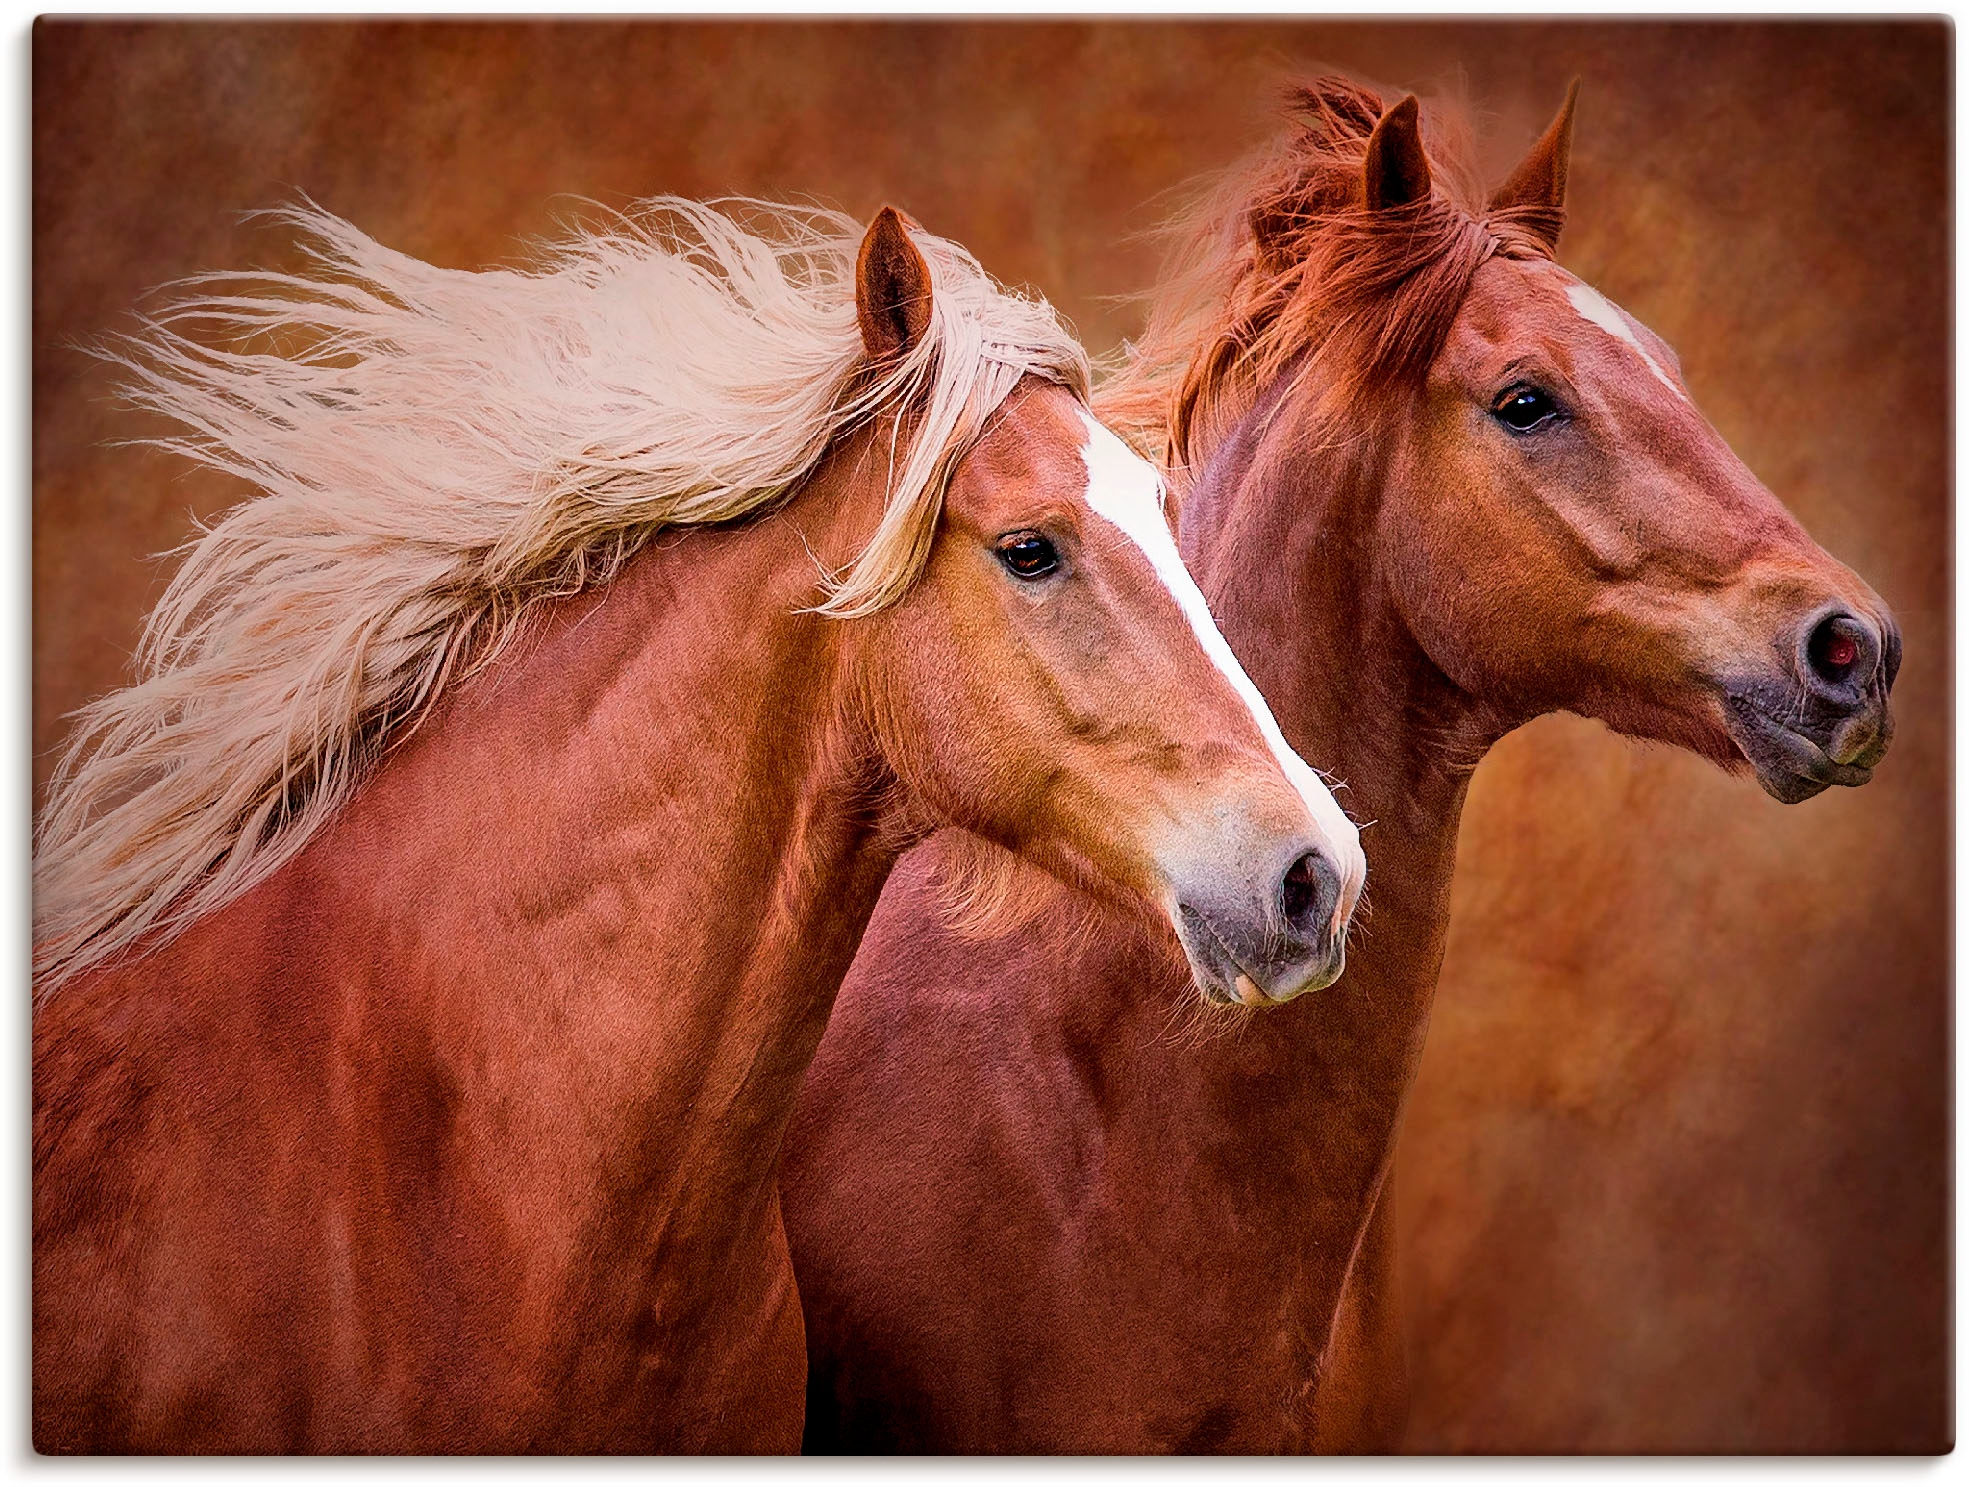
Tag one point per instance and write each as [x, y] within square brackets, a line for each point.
[1264, 934]
[1309, 898]
[1839, 655]
[1808, 705]
[1299, 942]
[1846, 661]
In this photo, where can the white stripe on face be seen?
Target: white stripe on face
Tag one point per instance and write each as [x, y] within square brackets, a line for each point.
[1596, 307]
[1123, 488]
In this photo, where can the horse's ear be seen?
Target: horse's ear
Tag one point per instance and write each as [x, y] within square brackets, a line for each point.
[1540, 179]
[1396, 172]
[892, 287]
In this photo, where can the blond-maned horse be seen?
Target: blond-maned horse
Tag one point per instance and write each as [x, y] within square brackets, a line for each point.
[430, 944]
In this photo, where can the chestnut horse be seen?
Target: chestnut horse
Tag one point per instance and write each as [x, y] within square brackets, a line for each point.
[431, 1100]
[1433, 486]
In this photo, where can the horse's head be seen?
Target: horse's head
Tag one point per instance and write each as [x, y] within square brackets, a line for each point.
[1573, 534]
[1054, 683]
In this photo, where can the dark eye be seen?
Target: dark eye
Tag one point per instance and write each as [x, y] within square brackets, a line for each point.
[1027, 555]
[1524, 408]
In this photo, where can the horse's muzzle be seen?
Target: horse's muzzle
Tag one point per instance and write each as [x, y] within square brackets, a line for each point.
[1820, 717]
[1285, 942]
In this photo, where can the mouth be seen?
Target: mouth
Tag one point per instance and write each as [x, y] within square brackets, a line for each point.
[1790, 766]
[1224, 979]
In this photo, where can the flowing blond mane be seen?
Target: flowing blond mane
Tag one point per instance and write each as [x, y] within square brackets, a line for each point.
[434, 452]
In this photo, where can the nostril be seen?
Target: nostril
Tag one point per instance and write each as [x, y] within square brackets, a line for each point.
[1305, 893]
[1841, 649]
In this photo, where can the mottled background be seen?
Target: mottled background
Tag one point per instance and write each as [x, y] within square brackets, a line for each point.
[1676, 1173]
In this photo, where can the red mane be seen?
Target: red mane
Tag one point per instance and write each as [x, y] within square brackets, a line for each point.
[1284, 263]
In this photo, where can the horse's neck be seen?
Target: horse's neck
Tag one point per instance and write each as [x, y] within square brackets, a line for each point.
[626, 867]
[1324, 639]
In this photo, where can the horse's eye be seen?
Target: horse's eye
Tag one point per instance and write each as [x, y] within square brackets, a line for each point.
[1524, 408]
[1027, 555]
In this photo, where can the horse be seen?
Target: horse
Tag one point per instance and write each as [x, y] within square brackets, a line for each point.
[431, 943]
[1433, 486]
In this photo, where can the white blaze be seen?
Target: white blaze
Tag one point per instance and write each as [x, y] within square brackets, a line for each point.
[1596, 307]
[1124, 489]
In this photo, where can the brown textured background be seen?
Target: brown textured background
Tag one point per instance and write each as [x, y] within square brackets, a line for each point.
[1676, 1174]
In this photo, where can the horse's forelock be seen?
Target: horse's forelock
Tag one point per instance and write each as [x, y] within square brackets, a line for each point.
[1285, 264]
